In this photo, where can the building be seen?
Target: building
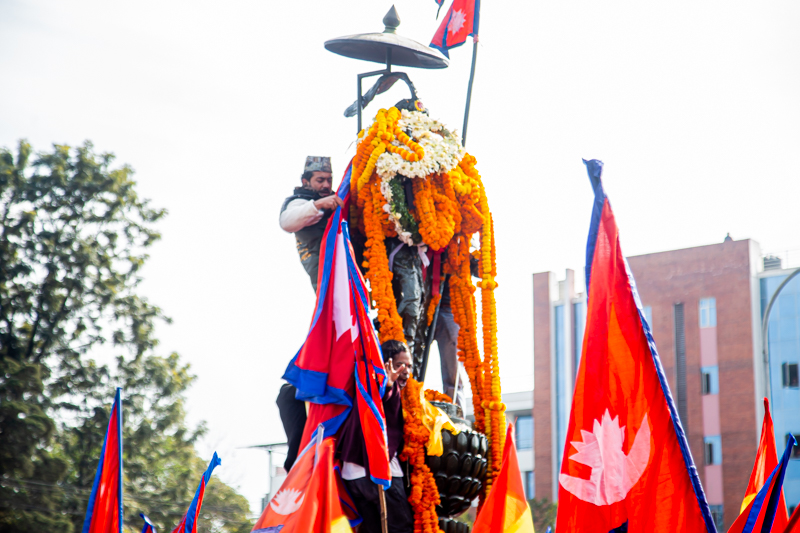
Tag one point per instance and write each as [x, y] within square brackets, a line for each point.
[783, 343]
[558, 319]
[705, 306]
[519, 411]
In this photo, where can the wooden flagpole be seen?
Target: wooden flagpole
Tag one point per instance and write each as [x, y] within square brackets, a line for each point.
[469, 89]
[382, 498]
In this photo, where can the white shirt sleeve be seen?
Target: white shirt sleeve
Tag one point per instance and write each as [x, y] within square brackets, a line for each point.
[299, 214]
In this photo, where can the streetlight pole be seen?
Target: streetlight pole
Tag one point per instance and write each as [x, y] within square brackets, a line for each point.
[270, 449]
[765, 330]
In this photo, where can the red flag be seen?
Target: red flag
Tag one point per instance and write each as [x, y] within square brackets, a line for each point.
[460, 22]
[148, 525]
[289, 497]
[188, 523]
[104, 513]
[308, 501]
[506, 509]
[340, 363]
[759, 515]
[766, 461]
[794, 522]
[626, 459]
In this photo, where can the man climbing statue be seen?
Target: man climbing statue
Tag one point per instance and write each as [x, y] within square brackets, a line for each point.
[306, 212]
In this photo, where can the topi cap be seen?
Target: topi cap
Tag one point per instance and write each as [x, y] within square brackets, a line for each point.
[317, 164]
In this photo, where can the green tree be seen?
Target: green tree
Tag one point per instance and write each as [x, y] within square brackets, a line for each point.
[73, 238]
[544, 514]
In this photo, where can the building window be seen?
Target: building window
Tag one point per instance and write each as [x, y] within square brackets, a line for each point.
[713, 450]
[710, 379]
[579, 316]
[648, 315]
[796, 450]
[564, 378]
[529, 485]
[716, 515]
[708, 312]
[680, 364]
[524, 428]
[790, 377]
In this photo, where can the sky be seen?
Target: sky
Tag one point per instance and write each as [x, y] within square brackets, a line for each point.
[693, 107]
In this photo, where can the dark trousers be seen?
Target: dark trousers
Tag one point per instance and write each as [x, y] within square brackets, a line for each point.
[293, 416]
[399, 515]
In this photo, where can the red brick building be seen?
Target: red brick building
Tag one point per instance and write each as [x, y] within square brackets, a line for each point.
[703, 305]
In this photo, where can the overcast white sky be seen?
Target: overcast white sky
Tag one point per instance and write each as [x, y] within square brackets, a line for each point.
[693, 106]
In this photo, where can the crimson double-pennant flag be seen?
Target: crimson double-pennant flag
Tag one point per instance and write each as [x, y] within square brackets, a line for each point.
[311, 499]
[766, 461]
[104, 513]
[505, 509]
[148, 525]
[460, 22]
[626, 462]
[759, 515]
[188, 523]
[340, 366]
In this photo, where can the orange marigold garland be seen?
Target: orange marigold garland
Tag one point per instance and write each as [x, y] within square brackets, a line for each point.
[376, 264]
[436, 396]
[435, 299]
[424, 494]
[450, 205]
[462, 304]
[494, 409]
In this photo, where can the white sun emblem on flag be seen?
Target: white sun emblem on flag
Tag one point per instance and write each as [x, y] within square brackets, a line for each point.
[457, 21]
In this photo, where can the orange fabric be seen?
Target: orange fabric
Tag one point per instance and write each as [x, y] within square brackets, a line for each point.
[766, 461]
[321, 511]
[505, 509]
[308, 501]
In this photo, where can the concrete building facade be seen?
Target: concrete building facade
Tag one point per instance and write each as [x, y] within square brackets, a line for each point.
[519, 411]
[704, 305]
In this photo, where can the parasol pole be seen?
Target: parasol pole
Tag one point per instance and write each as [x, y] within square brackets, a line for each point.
[469, 89]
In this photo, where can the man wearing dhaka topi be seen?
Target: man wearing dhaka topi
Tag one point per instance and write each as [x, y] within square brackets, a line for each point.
[306, 212]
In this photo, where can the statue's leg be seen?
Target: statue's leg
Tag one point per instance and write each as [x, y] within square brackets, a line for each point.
[446, 336]
[409, 291]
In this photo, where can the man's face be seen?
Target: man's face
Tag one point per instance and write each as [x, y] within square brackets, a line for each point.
[403, 360]
[320, 182]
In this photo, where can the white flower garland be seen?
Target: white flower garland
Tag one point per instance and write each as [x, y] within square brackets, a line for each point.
[443, 151]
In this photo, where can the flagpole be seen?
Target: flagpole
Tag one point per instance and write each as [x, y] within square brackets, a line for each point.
[469, 89]
[382, 498]
[119, 438]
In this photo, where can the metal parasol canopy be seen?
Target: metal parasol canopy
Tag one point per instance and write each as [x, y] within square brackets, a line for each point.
[389, 48]
[377, 47]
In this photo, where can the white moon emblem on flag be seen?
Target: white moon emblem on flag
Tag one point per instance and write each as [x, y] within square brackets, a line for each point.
[287, 501]
[613, 473]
